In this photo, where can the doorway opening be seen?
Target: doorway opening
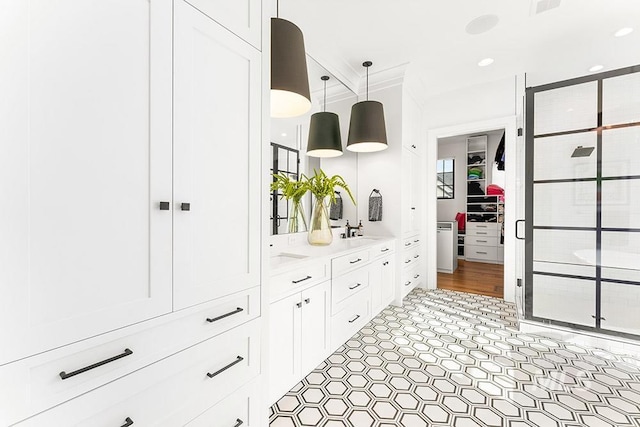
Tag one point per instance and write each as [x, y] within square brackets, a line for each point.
[470, 187]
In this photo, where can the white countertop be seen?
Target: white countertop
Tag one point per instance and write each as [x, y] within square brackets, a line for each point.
[295, 256]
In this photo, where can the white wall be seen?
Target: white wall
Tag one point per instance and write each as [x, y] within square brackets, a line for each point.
[471, 104]
[381, 170]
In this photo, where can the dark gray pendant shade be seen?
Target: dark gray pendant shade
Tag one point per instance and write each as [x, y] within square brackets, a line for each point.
[367, 130]
[324, 135]
[290, 95]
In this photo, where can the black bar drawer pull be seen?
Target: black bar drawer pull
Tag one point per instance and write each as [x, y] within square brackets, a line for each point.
[416, 241]
[164, 206]
[307, 300]
[238, 423]
[483, 253]
[355, 318]
[64, 375]
[385, 263]
[408, 283]
[221, 370]
[353, 262]
[416, 276]
[407, 261]
[482, 232]
[298, 304]
[301, 280]
[231, 313]
[408, 244]
[185, 206]
[384, 250]
[356, 286]
[481, 241]
[416, 256]
[127, 422]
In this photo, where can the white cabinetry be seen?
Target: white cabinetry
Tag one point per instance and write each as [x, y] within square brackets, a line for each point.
[85, 160]
[170, 392]
[127, 260]
[217, 122]
[411, 271]
[382, 282]
[411, 189]
[298, 336]
[484, 212]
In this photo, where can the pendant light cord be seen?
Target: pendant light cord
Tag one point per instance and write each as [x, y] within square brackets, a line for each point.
[324, 109]
[277, 8]
[367, 83]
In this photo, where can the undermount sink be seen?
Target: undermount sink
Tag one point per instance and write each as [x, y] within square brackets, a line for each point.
[284, 257]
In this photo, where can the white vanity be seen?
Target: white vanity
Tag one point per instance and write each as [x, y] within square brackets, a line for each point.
[319, 297]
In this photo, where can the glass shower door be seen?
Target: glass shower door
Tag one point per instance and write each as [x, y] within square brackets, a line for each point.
[583, 203]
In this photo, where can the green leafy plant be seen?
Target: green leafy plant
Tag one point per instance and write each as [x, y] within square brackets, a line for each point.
[292, 189]
[322, 186]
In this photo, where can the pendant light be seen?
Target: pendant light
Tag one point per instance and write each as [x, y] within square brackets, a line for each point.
[367, 131]
[290, 95]
[324, 132]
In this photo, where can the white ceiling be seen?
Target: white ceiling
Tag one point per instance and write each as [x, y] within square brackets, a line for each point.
[430, 35]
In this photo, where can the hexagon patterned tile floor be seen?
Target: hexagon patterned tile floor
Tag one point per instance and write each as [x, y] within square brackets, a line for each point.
[453, 359]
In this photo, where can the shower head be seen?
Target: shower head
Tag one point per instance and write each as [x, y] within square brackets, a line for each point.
[581, 151]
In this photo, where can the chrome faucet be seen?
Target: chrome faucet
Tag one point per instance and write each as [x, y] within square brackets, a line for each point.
[350, 231]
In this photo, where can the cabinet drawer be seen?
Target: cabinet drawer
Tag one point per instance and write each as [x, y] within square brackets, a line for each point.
[242, 17]
[486, 253]
[294, 280]
[411, 279]
[345, 286]
[349, 262]
[34, 384]
[170, 392]
[411, 256]
[351, 319]
[482, 229]
[383, 249]
[242, 408]
[410, 242]
[482, 241]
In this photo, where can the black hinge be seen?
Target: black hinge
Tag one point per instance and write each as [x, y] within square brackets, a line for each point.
[519, 283]
[519, 131]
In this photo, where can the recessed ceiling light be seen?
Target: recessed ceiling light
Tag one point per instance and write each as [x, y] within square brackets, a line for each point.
[623, 31]
[485, 62]
[596, 68]
[283, 134]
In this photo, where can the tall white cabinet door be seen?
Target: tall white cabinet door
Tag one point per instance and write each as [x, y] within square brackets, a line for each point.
[217, 128]
[315, 342]
[284, 345]
[388, 280]
[416, 192]
[85, 160]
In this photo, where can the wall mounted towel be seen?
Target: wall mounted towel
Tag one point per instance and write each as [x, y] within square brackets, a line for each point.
[335, 210]
[375, 205]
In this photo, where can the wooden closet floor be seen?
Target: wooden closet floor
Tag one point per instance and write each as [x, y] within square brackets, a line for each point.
[476, 278]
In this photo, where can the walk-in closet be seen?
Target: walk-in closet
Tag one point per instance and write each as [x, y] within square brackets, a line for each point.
[471, 207]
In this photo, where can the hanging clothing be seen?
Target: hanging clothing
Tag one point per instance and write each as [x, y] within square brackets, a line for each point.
[499, 158]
